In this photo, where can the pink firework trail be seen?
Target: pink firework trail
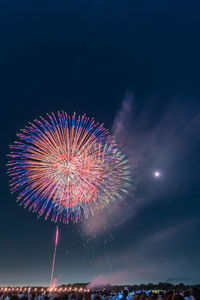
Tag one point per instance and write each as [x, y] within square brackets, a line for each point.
[54, 257]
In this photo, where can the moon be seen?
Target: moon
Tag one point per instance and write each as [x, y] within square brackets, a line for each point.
[157, 174]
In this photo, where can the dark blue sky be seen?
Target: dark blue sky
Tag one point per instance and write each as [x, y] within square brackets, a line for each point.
[84, 56]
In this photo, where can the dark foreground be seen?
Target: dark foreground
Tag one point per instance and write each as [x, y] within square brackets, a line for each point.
[109, 293]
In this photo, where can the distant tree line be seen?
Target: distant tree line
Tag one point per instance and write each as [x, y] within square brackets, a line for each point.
[149, 286]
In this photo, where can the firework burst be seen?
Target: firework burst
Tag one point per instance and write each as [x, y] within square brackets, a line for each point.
[67, 167]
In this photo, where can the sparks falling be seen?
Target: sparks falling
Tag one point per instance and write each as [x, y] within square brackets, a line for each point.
[67, 167]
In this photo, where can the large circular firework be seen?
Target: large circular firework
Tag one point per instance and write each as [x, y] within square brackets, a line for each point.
[67, 167]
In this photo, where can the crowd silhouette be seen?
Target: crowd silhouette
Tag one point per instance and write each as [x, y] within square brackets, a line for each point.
[104, 294]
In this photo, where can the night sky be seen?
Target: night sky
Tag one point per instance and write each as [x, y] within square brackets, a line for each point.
[134, 66]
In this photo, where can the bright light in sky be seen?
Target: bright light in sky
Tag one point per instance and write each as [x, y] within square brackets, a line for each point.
[157, 174]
